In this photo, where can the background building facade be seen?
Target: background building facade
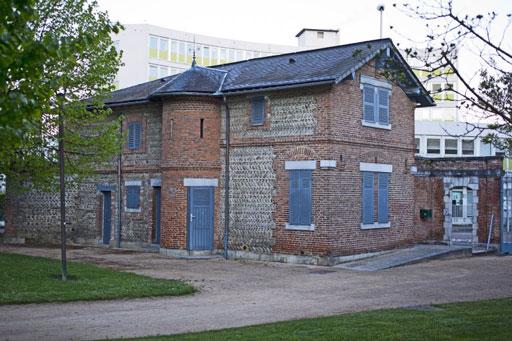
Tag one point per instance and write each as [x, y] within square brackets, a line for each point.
[151, 52]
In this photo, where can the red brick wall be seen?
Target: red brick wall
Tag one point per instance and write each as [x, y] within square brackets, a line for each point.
[429, 191]
[186, 155]
[339, 135]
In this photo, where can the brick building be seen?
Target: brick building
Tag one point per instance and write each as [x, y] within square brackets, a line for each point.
[320, 153]
[460, 199]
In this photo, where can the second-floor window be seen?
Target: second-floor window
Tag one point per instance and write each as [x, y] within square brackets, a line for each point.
[376, 103]
[134, 135]
[258, 110]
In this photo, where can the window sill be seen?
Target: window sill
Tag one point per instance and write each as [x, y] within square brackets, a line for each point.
[300, 227]
[376, 125]
[132, 210]
[375, 226]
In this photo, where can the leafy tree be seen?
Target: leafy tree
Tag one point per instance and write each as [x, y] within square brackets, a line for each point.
[57, 64]
[486, 92]
[53, 55]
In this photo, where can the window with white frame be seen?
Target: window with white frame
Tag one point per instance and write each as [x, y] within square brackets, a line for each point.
[433, 146]
[450, 147]
[376, 96]
[468, 147]
[375, 182]
[153, 72]
[163, 51]
[485, 149]
[417, 140]
[153, 47]
[300, 195]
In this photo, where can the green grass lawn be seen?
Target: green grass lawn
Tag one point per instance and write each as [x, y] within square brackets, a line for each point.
[26, 279]
[482, 320]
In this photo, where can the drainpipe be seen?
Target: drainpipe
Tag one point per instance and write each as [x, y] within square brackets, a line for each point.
[226, 183]
[119, 187]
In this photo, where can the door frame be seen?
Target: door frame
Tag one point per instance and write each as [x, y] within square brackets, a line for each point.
[189, 212]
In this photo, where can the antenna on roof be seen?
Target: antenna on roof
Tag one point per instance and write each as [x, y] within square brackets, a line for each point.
[194, 52]
[380, 8]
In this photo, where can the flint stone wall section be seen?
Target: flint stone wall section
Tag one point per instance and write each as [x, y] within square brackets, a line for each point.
[252, 187]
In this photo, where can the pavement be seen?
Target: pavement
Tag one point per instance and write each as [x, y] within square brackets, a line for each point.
[240, 293]
[415, 254]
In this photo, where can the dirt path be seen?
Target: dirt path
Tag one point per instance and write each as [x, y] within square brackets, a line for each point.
[243, 293]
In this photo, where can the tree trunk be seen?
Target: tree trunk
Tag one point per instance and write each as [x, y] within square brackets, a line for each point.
[64, 270]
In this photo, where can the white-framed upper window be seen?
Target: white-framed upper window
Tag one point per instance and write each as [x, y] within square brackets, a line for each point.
[450, 147]
[376, 95]
[153, 47]
[468, 147]
[433, 146]
[153, 72]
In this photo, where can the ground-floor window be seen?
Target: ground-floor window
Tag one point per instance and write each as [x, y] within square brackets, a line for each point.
[300, 197]
[375, 195]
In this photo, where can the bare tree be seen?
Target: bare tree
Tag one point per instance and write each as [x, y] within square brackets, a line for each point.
[486, 91]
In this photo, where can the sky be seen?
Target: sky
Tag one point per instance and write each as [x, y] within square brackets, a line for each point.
[278, 21]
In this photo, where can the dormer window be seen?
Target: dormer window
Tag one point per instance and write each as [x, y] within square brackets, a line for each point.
[258, 110]
[376, 94]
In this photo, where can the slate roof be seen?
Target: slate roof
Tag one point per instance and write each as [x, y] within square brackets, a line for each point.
[331, 64]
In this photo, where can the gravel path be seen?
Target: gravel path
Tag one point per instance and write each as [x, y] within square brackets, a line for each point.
[242, 293]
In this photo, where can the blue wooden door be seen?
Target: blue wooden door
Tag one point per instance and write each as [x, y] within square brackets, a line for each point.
[200, 218]
[156, 215]
[107, 217]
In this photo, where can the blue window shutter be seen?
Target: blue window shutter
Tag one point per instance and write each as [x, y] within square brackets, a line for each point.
[293, 202]
[383, 209]
[368, 103]
[131, 135]
[383, 100]
[134, 135]
[138, 134]
[367, 197]
[258, 110]
[305, 207]
[132, 197]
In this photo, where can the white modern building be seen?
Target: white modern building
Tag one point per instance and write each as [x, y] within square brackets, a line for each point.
[440, 131]
[151, 52]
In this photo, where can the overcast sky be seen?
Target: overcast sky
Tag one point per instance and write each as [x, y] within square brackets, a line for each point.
[277, 21]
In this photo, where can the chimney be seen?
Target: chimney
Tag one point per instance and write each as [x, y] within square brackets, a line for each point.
[315, 38]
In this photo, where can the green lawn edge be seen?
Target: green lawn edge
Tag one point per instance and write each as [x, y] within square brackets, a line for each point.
[29, 279]
[476, 320]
